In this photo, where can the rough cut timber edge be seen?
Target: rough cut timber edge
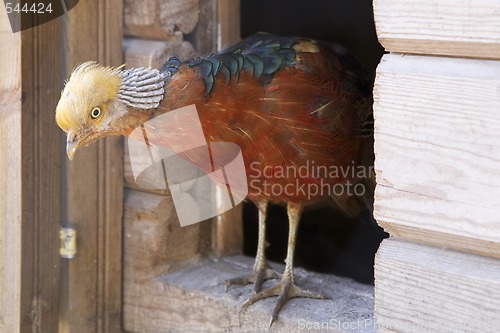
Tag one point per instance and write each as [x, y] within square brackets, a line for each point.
[442, 27]
[438, 151]
[10, 177]
[420, 288]
[160, 19]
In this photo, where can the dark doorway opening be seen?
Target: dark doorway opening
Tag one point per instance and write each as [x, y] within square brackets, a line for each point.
[328, 240]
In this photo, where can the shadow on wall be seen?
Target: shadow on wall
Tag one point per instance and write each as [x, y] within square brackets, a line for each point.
[328, 241]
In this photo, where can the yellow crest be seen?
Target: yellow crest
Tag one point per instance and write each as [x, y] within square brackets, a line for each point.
[89, 85]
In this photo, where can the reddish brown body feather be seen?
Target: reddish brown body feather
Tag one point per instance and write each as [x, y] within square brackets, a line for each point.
[310, 112]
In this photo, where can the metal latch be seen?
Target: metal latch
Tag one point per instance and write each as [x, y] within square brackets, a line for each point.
[67, 235]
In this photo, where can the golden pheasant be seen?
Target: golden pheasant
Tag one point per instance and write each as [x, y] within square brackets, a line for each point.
[289, 103]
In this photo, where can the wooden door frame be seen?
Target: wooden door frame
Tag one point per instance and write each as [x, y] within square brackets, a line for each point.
[42, 190]
[93, 31]
[10, 177]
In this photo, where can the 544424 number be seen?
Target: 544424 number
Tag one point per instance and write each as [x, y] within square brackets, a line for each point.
[38, 8]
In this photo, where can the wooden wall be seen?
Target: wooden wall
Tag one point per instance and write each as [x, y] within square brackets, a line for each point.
[437, 149]
[154, 241]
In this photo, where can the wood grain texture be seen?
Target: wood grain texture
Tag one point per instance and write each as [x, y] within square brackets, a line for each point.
[228, 232]
[128, 175]
[228, 22]
[443, 27]
[148, 53]
[218, 26]
[10, 177]
[228, 227]
[93, 187]
[226, 235]
[160, 19]
[437, 149]
[41, 152]
[153, 237]
[204, 35]
[32, 177]
[110, 191]
[420, 288]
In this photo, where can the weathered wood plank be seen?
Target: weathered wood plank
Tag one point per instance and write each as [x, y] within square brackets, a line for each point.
[204, 35]
[41, 143]
[218, 26]
[30, 175]
[228, 228]
[444, 27]
[128, 175]
[160, 19]
[437, 149]
[193, 300]
[154, 237]
[228, 22]
[419, 288]
[148, 53]
[110, 191]
[93, 186]
[228, 232]
[226, 236]
[10, 177]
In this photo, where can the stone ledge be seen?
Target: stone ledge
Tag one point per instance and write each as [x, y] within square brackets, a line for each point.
[193, 300]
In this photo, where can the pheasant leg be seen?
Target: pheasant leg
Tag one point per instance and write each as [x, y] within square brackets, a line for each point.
[286, 288]
[261, 270]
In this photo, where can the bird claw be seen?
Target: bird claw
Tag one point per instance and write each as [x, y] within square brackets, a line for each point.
[285, 290]
[257, 277]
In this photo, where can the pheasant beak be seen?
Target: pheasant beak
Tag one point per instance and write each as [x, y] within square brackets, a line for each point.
[72, 143]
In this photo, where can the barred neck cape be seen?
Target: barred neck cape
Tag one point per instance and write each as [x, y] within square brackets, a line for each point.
[286, 102]
[142, 87]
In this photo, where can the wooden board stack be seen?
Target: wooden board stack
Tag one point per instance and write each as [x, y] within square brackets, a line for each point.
[437, 146]
[154, 242]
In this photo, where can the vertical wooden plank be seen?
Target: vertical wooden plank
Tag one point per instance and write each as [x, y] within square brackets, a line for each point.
[110, 169]
[228, 25]
[79, 275]
[204, 35]
[228, 231]
[40, 178]
[28, 179]
[30, 200]
[10, 176]
[93, 183]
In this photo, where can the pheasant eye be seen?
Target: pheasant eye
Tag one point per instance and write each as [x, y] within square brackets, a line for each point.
[96, 112]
